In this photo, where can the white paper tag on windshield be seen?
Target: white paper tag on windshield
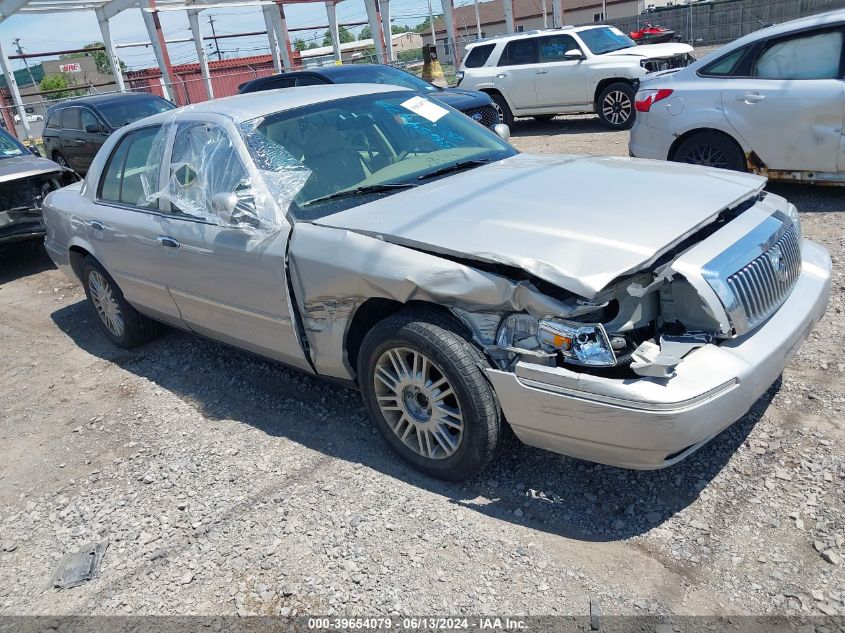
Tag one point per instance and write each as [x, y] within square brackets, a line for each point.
[425, 108]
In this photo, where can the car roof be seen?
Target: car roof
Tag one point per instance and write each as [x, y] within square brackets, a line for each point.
[96, 100]
[567, 28]
[251, 105]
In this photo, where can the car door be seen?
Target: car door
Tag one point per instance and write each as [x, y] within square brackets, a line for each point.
[791, 109]
[226, 267]
[72, 142]
[560, 81]
[515, 73]
[93, 134]
[123, 226]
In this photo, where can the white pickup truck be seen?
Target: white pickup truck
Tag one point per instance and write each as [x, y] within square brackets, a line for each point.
[570, 70]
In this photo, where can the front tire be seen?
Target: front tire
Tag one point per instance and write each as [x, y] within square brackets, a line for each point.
[615, 106]
[122, 323]
[504, 109]
[424, 388]
[711, 149]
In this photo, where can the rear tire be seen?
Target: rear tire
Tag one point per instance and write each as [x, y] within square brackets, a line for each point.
[123, 324]
[615, 106]
[711, 149]
[502, 104]
[423, 385]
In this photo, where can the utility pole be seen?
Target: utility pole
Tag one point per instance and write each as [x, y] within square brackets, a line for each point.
[25, 63]
[431, 23]
[216, 44]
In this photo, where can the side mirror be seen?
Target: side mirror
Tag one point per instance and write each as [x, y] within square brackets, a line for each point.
[34, 150]
[223, 204]
[503, 131]
[93, 128]
[573, 53]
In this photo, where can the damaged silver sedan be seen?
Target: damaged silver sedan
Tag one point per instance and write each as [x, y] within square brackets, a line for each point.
[367, 234]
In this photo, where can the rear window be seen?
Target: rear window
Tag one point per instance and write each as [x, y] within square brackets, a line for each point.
[121, 112]
[128, 176]
[70, 119]
[478, 56]
[53, 120]
[520, 52]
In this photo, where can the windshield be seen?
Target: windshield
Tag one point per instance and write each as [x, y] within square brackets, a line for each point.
[605, 39]
[122, 112]
[382, 75]
[398, 139]
[9, 147]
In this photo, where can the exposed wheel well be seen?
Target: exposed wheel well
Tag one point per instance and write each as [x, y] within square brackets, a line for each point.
[77, 255]
[604, 83]
[702, 130]
[374, 310]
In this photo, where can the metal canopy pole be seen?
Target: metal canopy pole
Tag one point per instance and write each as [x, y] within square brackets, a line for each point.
[159, 47]
[508, 6]
[194, 21]
[451, 37]
[105, 31]
[384, 6]
[478, 21]
[281, 25]
[557, 13]
[375, 27]
[331, 12]
[268, 11]
[13, 88]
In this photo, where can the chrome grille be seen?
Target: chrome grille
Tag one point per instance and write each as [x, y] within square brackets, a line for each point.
[488, 116]
[762, 285]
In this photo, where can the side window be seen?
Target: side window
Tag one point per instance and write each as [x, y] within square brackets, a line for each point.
[553, 49]
[127, 173]
[279, 82]
[88, 119]
[309, 81]
[807, 56]
[53, 120]
[726, 66]
[70, 119]
[207, 177]
[519, 53]
[478, 56]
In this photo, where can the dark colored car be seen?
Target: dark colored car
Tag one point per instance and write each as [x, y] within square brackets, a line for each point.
[76, 129]
[476, 105]
[25, 180]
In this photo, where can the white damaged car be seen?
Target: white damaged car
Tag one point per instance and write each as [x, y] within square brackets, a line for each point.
[366, 234]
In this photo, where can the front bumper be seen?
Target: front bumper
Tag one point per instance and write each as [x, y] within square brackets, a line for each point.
[649, 423]
[17, 227]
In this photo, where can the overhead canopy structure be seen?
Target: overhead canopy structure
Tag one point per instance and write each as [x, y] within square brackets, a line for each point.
[378, 15]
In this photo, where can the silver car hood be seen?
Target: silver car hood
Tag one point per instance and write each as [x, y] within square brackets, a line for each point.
[666, 49]
[15, 167]
[576, 222]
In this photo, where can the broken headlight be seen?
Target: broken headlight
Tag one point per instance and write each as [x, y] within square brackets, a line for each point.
[579, 343]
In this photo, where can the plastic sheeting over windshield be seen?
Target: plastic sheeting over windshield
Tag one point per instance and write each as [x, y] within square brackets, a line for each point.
[812, 57]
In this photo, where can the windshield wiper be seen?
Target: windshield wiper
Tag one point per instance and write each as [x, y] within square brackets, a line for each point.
[358, 191]
[464, 164]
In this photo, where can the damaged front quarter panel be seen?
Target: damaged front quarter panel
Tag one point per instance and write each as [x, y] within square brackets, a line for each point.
[334, 271]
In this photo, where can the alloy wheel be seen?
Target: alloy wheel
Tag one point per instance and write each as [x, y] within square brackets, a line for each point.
[105, 303]
[708, 156]
[617, 107]
[418, 403]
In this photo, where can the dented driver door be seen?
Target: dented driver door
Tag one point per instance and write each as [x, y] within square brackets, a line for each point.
[228, 279]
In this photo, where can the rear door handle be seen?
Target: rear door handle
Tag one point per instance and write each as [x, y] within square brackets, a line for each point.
[78, 141]
[751, 97]
[541, 72]
[168, 241]
[501, 76]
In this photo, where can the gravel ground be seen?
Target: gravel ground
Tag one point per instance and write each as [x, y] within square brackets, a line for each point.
[229, 485]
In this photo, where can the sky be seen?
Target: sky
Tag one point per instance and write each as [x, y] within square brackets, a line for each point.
[45, 32]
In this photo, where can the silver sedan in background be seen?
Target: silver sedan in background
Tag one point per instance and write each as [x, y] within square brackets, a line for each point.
[368, 234]
[771, 103]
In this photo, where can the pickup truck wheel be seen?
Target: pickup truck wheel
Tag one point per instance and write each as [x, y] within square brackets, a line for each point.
[124, 325]
[615, 106]
[504, 110]
[424, 387]
[711, 149]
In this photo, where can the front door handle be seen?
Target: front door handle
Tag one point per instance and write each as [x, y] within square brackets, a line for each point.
[78, 141]
[97, 225]
[501, 76]
[541, 72]
[751, 97]
[169, 242]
